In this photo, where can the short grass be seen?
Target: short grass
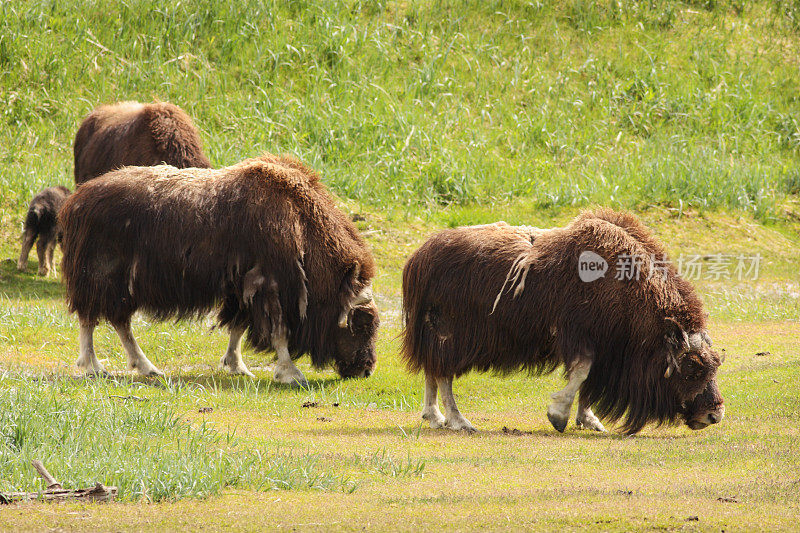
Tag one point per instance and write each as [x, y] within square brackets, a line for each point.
[353, 454]
[419, 115]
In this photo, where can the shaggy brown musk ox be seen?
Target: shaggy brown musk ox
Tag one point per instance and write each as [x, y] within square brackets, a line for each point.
[42, 222]
[130, 133]
[506, 298]
[261, 240]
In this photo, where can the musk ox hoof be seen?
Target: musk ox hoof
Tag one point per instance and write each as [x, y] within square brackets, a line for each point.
[290, 376]
[237, 370]
[560, 423]
[146, 368]
[434, 417]
[22, 267]
[98, 373]
[460, 424]
[44, 272]
[589, 422]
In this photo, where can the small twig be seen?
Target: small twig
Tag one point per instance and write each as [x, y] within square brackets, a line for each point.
[55, 492]
[137, 398]
[52, 484]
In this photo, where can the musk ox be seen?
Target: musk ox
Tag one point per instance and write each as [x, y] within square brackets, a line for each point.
[42, 222]
[130, 133]
[633, 342]
[262, 241]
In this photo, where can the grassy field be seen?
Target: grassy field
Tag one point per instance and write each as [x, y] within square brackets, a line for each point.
[419, 116]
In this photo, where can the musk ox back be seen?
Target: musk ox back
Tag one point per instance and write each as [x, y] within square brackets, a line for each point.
[41, 222]
[262, 241]
[130, 133]
[505, 298]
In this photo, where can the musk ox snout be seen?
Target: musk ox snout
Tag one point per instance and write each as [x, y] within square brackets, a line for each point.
[356, 356]
[707, 408]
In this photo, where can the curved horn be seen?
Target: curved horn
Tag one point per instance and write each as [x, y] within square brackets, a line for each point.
[706, 338]
[363, 297]
[695, 341]
[686, 343]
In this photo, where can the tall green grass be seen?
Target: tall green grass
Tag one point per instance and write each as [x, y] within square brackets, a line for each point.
[430, 103]
[86, 433]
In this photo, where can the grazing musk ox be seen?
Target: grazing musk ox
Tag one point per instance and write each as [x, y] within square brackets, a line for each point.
[261, 240]
[130, 133]
[42, 222]
[506, 298]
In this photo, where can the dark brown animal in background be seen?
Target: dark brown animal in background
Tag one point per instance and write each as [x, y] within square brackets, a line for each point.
[130, 133]
[42, 222]
[505, 298]
[262, 241]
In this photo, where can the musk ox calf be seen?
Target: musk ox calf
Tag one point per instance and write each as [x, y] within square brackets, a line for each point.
[262, 241]
[42, 222]
[633, 342]
[130, 133]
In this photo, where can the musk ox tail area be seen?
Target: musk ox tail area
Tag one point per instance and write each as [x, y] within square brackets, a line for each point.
[33, 220]
[175, 136]
[417, 343]
[134, 134]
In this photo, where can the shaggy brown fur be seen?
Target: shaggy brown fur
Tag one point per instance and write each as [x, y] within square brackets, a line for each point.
[130, 133]
[41, 222]
[262, 240]
[547, 317]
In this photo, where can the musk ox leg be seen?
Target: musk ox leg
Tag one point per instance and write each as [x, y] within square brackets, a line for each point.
[87, 360]
[585, 419]
[51, 248]
[232, 360]
[41, 252]
[558, 411]
[136, 358]
[453, 418]
[430, 405]
[27, 244]
[285, 371]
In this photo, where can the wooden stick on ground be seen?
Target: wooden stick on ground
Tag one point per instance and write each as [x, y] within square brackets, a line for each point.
[52, 484]
[55, 492]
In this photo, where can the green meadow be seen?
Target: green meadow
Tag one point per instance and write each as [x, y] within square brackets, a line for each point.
[419, 116]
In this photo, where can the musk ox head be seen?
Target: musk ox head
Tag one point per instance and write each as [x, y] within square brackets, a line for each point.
[691, 377]
[354, 337]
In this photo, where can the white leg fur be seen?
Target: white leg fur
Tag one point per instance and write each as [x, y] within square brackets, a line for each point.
[136, 358]
[87, 360]
[430, 405]
[232, 360]
[586, 419]
[453, 418]
[558, 411]
[285, 371]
